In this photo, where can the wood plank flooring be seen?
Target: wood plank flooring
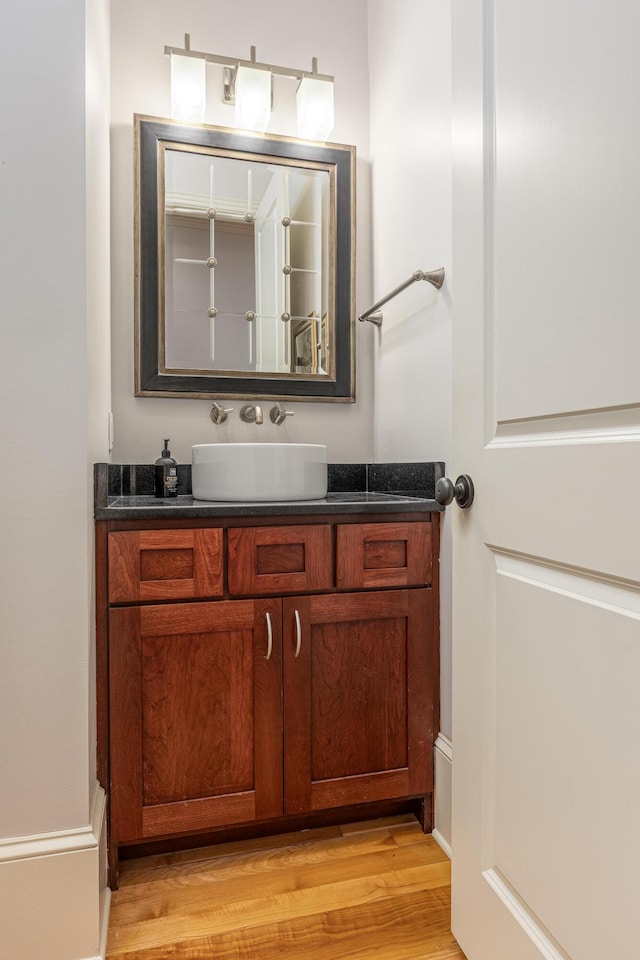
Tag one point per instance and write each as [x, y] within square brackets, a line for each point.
[378, 890]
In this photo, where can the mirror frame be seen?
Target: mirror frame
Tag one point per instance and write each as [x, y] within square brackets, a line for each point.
[149, 133]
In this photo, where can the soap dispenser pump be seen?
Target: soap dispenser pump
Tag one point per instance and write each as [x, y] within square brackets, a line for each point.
[166, 476]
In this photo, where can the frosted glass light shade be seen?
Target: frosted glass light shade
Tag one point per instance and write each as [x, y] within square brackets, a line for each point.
[187, 88]
[314, 102]
[253, 98]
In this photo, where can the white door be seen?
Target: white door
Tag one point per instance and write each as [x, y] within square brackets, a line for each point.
[546, 290]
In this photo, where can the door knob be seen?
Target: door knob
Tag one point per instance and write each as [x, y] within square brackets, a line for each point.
[461, 491]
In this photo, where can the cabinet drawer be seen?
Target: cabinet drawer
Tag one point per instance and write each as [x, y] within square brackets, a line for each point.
[383, 555]
[268, 560]
[165, 565]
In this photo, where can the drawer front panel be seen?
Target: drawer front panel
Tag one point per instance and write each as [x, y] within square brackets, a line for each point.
[371, 555]
[275, 560]
[165, 565]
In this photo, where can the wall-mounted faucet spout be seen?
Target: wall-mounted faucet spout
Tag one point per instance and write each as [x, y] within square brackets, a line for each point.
[251, 413]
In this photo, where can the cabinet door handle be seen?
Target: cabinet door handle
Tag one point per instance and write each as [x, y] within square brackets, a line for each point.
[298, 634]
[269, 636]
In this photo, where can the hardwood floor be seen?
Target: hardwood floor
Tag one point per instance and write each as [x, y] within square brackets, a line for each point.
[366, 891]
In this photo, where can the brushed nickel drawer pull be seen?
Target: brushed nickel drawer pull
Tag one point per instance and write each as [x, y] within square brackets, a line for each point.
[298, 634]
[269, 636]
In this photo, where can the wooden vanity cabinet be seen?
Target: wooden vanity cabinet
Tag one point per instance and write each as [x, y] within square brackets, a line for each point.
[259, 672]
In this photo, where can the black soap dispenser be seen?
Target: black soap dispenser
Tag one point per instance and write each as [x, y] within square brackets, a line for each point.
[166, 474]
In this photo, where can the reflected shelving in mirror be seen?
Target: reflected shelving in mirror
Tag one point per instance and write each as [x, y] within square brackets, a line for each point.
[245, 264]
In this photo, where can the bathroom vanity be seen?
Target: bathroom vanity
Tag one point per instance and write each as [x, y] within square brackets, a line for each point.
[264, 667]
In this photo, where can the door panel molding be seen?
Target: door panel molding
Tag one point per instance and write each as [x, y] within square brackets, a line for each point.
[590, 586]
[548, 948]
[564, 661]
[613, 425]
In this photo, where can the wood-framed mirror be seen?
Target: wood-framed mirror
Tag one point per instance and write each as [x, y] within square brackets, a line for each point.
[245, 264]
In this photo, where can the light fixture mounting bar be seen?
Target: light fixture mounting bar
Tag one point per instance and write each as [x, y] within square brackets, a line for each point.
[186, 51]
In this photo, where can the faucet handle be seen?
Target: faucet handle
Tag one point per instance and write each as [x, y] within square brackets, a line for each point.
[219, 413]
[278, 414]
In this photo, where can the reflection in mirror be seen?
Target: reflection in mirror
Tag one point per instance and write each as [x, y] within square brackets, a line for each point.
[251, 288]
[246, 261]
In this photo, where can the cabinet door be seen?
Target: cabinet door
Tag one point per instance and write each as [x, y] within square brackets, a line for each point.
[196, 716]
[360, 675]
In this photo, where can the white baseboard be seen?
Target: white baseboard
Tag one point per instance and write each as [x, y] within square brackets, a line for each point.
[443, 761]
[442, 843]
[103, 884]
[53, 903]
[104, 922]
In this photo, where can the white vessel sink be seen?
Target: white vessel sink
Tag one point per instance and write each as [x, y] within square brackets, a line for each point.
[259, 471]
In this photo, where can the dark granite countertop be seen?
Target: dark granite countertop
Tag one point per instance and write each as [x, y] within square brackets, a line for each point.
[124, 492]
[145, 508]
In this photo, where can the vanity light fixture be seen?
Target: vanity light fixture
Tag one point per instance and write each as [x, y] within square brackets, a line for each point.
[247, 83]
[188, 94]
[314, 104]
[253, 98]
